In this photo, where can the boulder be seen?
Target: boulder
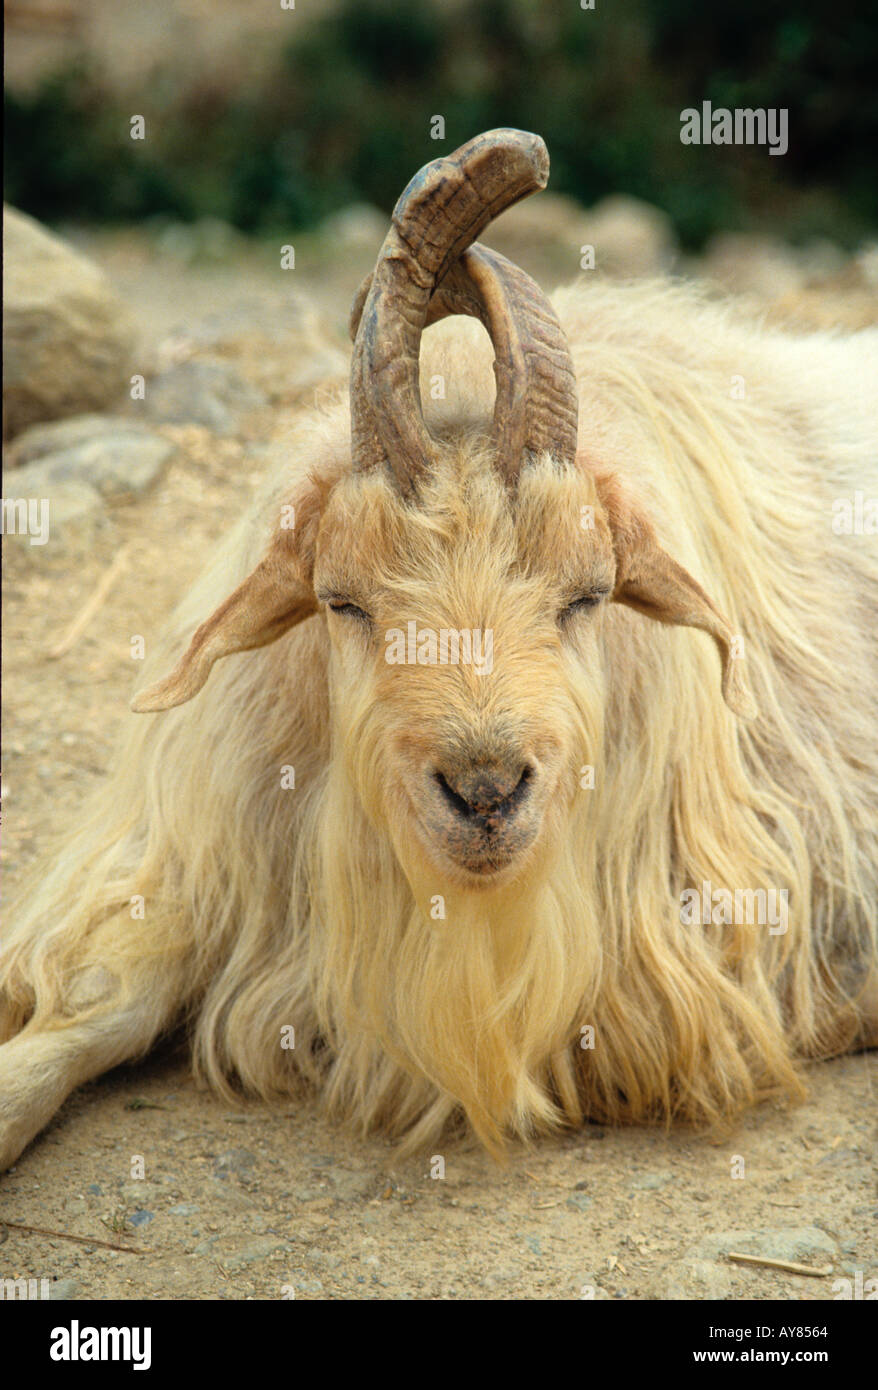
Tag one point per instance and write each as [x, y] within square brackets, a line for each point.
[631, 238]
[68, 340]
[113, 456]
[211, 394]
[546, 234]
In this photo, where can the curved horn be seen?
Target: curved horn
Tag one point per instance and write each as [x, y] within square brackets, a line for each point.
[444, 208]
[536, 408]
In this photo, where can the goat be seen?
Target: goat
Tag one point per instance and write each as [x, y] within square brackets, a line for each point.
[449, 895]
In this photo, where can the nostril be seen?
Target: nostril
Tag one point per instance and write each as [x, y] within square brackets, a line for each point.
[479, 793]
[457, 802]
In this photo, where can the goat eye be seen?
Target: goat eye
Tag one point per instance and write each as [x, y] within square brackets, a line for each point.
[579, 605]
[349, 609]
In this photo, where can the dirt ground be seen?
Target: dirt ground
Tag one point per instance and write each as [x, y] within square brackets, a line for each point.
[249, 1204]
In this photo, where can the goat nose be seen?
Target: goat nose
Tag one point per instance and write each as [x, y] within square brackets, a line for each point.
[485, 790]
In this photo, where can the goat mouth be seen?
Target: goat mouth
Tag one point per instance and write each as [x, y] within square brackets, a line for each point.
[488, 866]
[480, 857]
[481, 863]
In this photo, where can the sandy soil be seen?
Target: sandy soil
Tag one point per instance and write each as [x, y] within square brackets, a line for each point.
[249, 1204]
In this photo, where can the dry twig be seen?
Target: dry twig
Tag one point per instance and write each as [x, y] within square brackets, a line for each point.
[65, 1235]
[789, 1266]
[91, 606]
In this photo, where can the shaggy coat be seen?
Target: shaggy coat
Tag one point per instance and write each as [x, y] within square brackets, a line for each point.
[572, 987]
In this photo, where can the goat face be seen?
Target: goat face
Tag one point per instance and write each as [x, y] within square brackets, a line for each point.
[466, 687]
[463, 576]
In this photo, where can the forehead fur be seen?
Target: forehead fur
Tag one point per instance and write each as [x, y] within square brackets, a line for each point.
[464, 524]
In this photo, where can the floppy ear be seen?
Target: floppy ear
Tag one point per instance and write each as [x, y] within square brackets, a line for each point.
[650, 581]
[271, 600]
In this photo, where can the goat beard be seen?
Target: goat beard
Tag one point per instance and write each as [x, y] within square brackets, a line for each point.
[477, 1011]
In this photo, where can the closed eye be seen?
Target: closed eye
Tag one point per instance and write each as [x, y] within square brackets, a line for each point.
[350, 610]
[583, 602]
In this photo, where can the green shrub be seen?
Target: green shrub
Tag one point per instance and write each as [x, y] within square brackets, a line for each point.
[342, 113]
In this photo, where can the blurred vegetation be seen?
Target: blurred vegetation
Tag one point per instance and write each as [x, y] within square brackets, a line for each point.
[342, 114]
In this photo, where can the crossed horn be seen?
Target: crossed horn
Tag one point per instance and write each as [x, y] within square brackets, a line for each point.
[428, 268]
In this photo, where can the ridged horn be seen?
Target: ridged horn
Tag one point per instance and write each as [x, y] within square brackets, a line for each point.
[444, 208]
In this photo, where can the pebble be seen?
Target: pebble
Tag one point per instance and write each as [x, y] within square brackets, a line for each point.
[696, 1280]
[63, 1288]
[239, 1162]
[650, 1182]
[579, 1201]
[327, 1259]
[248, 1253]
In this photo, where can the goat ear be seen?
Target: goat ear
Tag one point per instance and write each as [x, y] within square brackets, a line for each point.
[649, 580]
[271, 600]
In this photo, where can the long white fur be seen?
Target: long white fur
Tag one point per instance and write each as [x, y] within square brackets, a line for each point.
[269, 907]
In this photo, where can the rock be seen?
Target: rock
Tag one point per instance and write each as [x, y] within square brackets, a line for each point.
[201, 393]
[223, 1197]
[350, 1186]
[252, 1249]
[306, 1193]
[239, 1162]
[630, 237]
[68, 341]
[62, 1289]
[59, 435]
[133, 1193]
[579, 1201]
[820, 259]
[141, 1218]
[802, 1244]
[695, 1280]
[125, 459]
[650, 1182]
[184, 1209]
[866, 261]
[235, 1251]
[208, 239]
[843, 1158]
[308, 369]
[503, 1274]
[752, 265]
[305, 1285]
[67, 502]
[325, 1258]
[359, 226]
[551, 215]
[703, 1272]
